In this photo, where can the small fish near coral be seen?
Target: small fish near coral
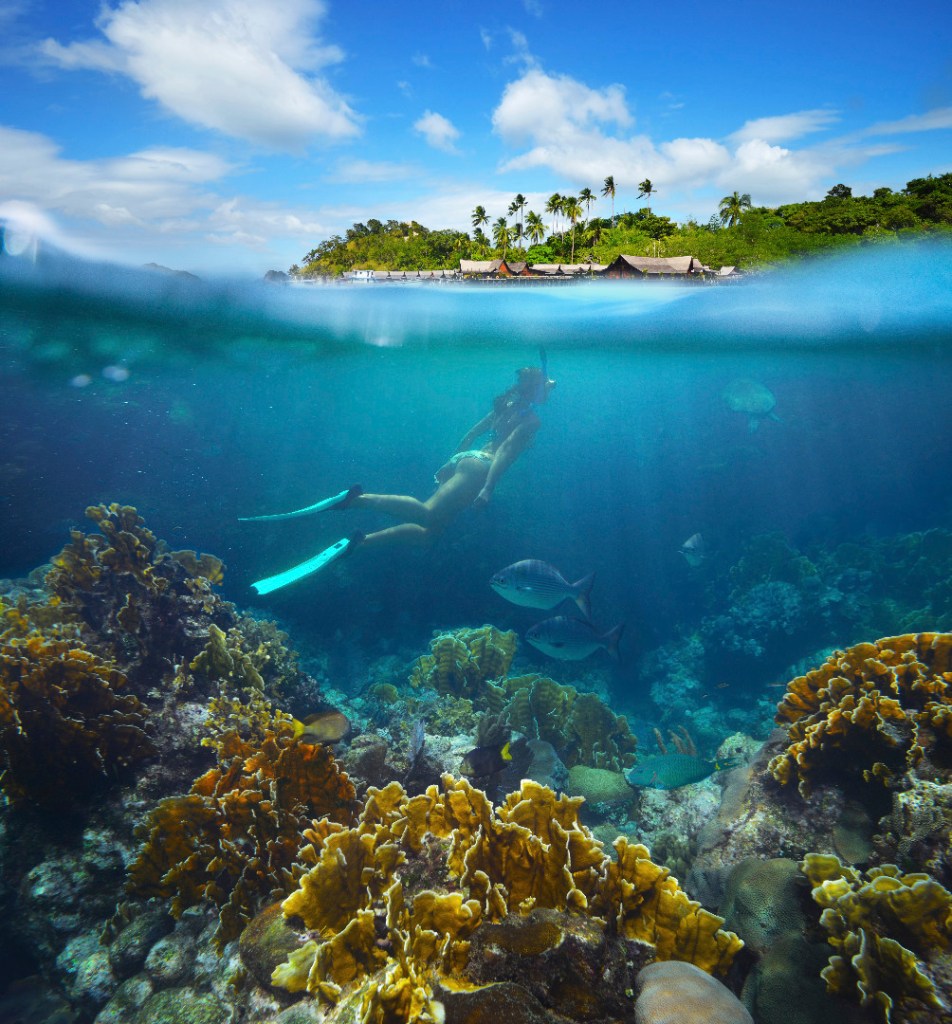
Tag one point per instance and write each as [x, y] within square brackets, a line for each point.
[535, 584]
[569, 639]
[482, 762]
[323, 727]
[671, 771]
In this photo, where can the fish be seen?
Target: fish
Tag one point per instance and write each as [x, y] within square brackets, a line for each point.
[535, 584]
[488, 760]
[671, 771]
[571, 639]
[323, 727]
[693, 550]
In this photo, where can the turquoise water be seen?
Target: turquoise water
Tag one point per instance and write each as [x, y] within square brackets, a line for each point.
[235, 399]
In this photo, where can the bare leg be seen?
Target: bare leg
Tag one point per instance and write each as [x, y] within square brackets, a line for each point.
[426, 519]
[400, 506]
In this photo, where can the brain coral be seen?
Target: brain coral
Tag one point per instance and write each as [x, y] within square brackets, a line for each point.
[680, 993]
[391, 905]
[876, 708]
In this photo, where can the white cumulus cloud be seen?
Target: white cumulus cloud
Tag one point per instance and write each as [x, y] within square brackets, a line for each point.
[583, 134]
[785, 127]
[248, 69]
[439, 132]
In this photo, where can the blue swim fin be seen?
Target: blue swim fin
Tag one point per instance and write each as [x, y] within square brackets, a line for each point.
[298, 572]
[342, 500]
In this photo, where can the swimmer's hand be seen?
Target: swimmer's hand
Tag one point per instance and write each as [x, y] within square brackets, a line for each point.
[482, 499]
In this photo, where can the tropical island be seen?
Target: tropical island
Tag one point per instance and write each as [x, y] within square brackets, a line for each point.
[565, 232]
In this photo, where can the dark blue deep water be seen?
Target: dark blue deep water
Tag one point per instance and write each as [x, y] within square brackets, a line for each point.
[251, 398]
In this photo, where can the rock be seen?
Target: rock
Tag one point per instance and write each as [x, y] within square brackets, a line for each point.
[492, 1004]
[674, 992]
[181, 1006]
[267, 941]
[84, 965]
[128, 950]
[308, 1011]
[128, 997]
[167, 962]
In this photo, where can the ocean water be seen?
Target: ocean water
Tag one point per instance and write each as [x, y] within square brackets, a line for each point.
[200, 402]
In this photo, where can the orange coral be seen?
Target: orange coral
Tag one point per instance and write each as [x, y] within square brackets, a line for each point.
[233, 840]
[877, 706]
[392, 904]
[65, 728]
[866, 917]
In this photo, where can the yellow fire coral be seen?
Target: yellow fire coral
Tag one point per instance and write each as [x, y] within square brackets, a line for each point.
[460, 662]
[233, 840]
[65, 727]
[877, 706]
[866, 918]
[392, 904]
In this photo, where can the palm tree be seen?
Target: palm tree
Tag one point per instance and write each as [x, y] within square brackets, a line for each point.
[572, 210]
[480, 217]
[586, 198]
[647, 190]
[501, 234]
[609, 190]
[554, 207]
[733, 207]
[535, 229]
[517, 206]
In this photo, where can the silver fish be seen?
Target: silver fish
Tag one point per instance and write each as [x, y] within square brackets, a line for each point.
[535, 584]
[694, 550]
[571, 639]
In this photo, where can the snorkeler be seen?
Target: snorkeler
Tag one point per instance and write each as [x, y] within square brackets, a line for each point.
[468, 478]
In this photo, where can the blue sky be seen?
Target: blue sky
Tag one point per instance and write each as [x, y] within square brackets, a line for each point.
[234, 135]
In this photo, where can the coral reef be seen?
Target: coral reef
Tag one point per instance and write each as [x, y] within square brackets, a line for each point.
[581, 727]
[461, 661]
[870, 712]
[680, 993]
[66, 727]
[392, 906]
[234, 839]
[891, 934]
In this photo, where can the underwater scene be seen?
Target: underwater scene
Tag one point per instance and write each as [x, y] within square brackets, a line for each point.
[455, 653]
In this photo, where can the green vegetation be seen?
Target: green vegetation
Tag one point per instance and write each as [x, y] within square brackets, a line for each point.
[739, 235]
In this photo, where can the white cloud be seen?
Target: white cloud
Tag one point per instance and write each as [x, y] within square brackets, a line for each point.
[931, 121]
[555, 108]
[422, 61]
[439, 132]
[785, 127]
[154, 201]
[565, 126]
[365, 171]
[247, 69]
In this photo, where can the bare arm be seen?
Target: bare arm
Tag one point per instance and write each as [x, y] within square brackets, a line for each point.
[507, 453]
[475, 431]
